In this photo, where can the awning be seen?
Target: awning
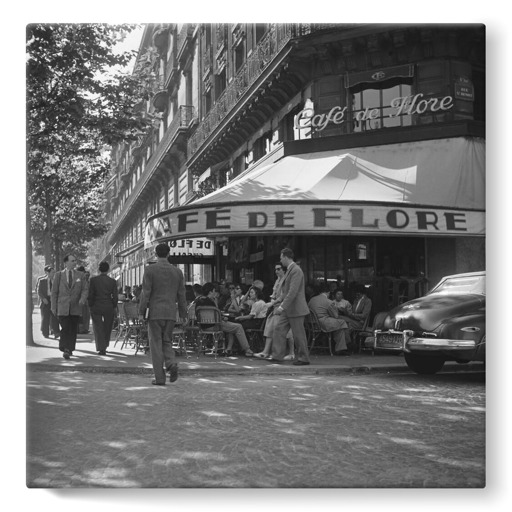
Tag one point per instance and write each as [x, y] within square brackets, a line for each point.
[434, 187]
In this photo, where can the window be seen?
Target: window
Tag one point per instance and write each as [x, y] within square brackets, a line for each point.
[207, 101]
[261, 28]
[301, 126]
[220, 83]
[371, 108]
[239, 56]
[170, 197]
[183, 187]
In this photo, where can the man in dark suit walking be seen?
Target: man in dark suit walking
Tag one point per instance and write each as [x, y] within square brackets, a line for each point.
[69, 294]
[49, 321]
[163, 286]
[291, 311]
[102, 302]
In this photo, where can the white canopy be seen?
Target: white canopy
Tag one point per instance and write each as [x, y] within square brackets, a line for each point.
[435, 187]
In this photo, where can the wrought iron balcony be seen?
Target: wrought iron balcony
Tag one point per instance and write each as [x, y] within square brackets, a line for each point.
[184, 37]
[268, 48]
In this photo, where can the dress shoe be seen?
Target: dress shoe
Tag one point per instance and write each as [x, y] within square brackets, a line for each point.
[102, 352]
[155, 383]
[300, 363]
[173, 372]
[66, 354]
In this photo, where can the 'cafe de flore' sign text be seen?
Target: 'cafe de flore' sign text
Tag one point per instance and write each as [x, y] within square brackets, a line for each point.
[405, 105]
[310, 217]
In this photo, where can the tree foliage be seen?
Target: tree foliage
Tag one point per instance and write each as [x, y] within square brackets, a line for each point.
[78, 105]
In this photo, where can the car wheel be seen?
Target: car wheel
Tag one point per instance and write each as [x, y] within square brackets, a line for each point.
[425, 365]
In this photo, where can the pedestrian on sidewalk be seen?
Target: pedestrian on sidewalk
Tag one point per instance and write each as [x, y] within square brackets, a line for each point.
[49, 322]
[163, 285]
[102, 300]
[292, 311]
[69, 294]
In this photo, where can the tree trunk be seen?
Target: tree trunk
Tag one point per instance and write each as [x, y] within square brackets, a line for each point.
[29, 300]
[47, 239]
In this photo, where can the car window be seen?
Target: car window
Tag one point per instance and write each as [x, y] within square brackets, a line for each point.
[461, 284]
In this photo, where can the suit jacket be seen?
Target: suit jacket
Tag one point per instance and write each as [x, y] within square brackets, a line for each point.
[43, 289]
[293, 292]
[102, 293]
[363, 308]
[163, 285]
[65, 300]
[327, 313]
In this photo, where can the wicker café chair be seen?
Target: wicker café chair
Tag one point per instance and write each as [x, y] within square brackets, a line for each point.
[315, 333]
[209, 321]
[179, 336]
[122, 324]
[136, 333]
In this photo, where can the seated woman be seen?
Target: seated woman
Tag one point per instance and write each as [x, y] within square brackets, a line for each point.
[258, 310]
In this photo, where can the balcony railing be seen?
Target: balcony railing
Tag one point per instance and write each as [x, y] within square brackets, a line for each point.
[267, 49]
[255, 65]
[184, 37]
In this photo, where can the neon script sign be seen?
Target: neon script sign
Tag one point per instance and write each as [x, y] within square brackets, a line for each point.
[405, 105]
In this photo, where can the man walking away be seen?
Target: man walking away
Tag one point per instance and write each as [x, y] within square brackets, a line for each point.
[49, 322]
[163, 286]
[69, 294]
[102, 302]
[292, 311]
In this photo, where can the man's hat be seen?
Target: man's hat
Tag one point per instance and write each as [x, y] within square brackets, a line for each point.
[48, 268]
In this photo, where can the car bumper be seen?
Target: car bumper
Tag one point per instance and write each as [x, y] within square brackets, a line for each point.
[404, 341]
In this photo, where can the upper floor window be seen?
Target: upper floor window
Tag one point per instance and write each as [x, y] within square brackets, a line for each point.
[261, 28]
[239, 56]
[372, 108]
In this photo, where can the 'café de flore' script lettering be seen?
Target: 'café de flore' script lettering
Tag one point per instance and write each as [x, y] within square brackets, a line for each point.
[405, 105]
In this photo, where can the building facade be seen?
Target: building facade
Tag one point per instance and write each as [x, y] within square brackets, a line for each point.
[361, 147]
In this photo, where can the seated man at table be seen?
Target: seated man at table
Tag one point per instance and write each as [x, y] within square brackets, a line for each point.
[209, 298]
[361, 308]
[328, 318]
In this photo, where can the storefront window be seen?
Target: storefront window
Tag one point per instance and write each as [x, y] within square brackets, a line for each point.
[360, 261]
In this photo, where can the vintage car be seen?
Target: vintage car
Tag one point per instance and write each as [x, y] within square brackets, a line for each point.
[447, 324]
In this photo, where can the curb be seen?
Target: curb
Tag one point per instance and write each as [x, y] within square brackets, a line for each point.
[279, 370]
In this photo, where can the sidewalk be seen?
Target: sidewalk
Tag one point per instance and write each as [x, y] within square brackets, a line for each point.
[45, 356]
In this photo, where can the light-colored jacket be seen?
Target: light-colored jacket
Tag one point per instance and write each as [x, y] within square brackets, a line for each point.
[294, 295]
[327, 313]
[65, 300]
[163, 286]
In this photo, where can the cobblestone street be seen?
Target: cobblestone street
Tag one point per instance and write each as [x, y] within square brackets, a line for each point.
[116, 430]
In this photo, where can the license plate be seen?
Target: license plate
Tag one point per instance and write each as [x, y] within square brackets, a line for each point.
[389, 340]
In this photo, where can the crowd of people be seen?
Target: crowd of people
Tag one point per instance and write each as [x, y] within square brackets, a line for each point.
[254, 307]
[69, 299]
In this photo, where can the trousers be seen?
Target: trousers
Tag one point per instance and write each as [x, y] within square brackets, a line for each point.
[68, 332]
[102, 322]
[49, 321]
[283, 325]
[160, 347]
